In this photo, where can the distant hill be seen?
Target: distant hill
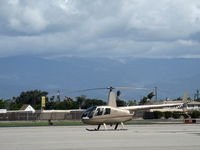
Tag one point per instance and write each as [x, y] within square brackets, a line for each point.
[172, 76]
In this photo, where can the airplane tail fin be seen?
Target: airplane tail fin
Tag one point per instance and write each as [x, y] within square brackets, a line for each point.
[112, 99]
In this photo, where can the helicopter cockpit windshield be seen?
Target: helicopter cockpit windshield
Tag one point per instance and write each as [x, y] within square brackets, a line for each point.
[89, 112]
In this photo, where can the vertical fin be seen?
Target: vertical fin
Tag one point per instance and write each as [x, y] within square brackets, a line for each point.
[185, 101]
[112, 99]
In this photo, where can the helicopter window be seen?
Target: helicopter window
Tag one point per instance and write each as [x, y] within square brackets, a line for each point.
[90, 115]
[89, 112]
[99, 111]
[107, 111]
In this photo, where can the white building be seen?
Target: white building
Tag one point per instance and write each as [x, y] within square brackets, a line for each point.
[27, 107]
[3, 111]
[194, 105]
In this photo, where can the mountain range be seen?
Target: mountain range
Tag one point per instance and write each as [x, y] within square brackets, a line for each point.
[171, 76]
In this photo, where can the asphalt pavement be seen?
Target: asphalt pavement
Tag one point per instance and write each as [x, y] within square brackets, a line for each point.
[137, 137]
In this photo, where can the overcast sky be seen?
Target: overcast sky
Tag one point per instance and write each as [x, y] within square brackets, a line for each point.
[100, 28]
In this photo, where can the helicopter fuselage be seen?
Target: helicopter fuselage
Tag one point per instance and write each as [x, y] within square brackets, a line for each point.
[105, 115]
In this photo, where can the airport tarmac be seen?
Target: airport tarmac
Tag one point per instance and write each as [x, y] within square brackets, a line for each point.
[138, 137]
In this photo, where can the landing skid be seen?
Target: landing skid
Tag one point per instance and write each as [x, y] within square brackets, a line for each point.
[91, 129]
[106, 129]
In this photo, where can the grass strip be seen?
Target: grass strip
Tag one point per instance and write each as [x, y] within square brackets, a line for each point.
[70, 123]
[17, 124]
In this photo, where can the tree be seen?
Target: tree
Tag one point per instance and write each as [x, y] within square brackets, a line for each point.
[15, 106]
[32, 97]
[2, 104]
[178, 99]
[85, 103]
[80, 100]
[132, 103]
[143, 100]
[120, 102]
[146, 98]
[118, 94]
[93, 102]
[150, 95]
[70, 103]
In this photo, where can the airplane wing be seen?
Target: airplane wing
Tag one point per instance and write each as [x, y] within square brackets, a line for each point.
[143, 107]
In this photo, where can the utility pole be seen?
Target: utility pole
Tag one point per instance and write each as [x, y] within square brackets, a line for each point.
[197, 94]
[156, 92]
[58, 96]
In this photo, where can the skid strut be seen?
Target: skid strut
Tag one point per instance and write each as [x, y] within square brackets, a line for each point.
[116, 126]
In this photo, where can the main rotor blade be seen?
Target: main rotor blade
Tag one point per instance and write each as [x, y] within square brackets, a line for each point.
[85, 90]
[130, 88]
[76, 91]
[93, 89]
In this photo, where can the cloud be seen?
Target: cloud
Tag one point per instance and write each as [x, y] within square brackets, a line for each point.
[100, 28]
[31, 21]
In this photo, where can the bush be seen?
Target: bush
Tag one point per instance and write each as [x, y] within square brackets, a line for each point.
[194, 114]
[167, 114]
[176, 115]
[158, 114]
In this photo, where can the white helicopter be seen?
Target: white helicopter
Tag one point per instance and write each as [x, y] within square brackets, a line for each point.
[113, 115]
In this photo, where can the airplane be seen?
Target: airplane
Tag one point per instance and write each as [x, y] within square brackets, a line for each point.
[113, 115]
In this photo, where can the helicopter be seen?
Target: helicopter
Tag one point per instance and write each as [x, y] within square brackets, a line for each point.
[113, 115]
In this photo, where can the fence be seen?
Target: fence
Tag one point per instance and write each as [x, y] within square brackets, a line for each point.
[29, 116]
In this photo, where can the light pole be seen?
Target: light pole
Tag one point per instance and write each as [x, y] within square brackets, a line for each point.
[156, 93]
